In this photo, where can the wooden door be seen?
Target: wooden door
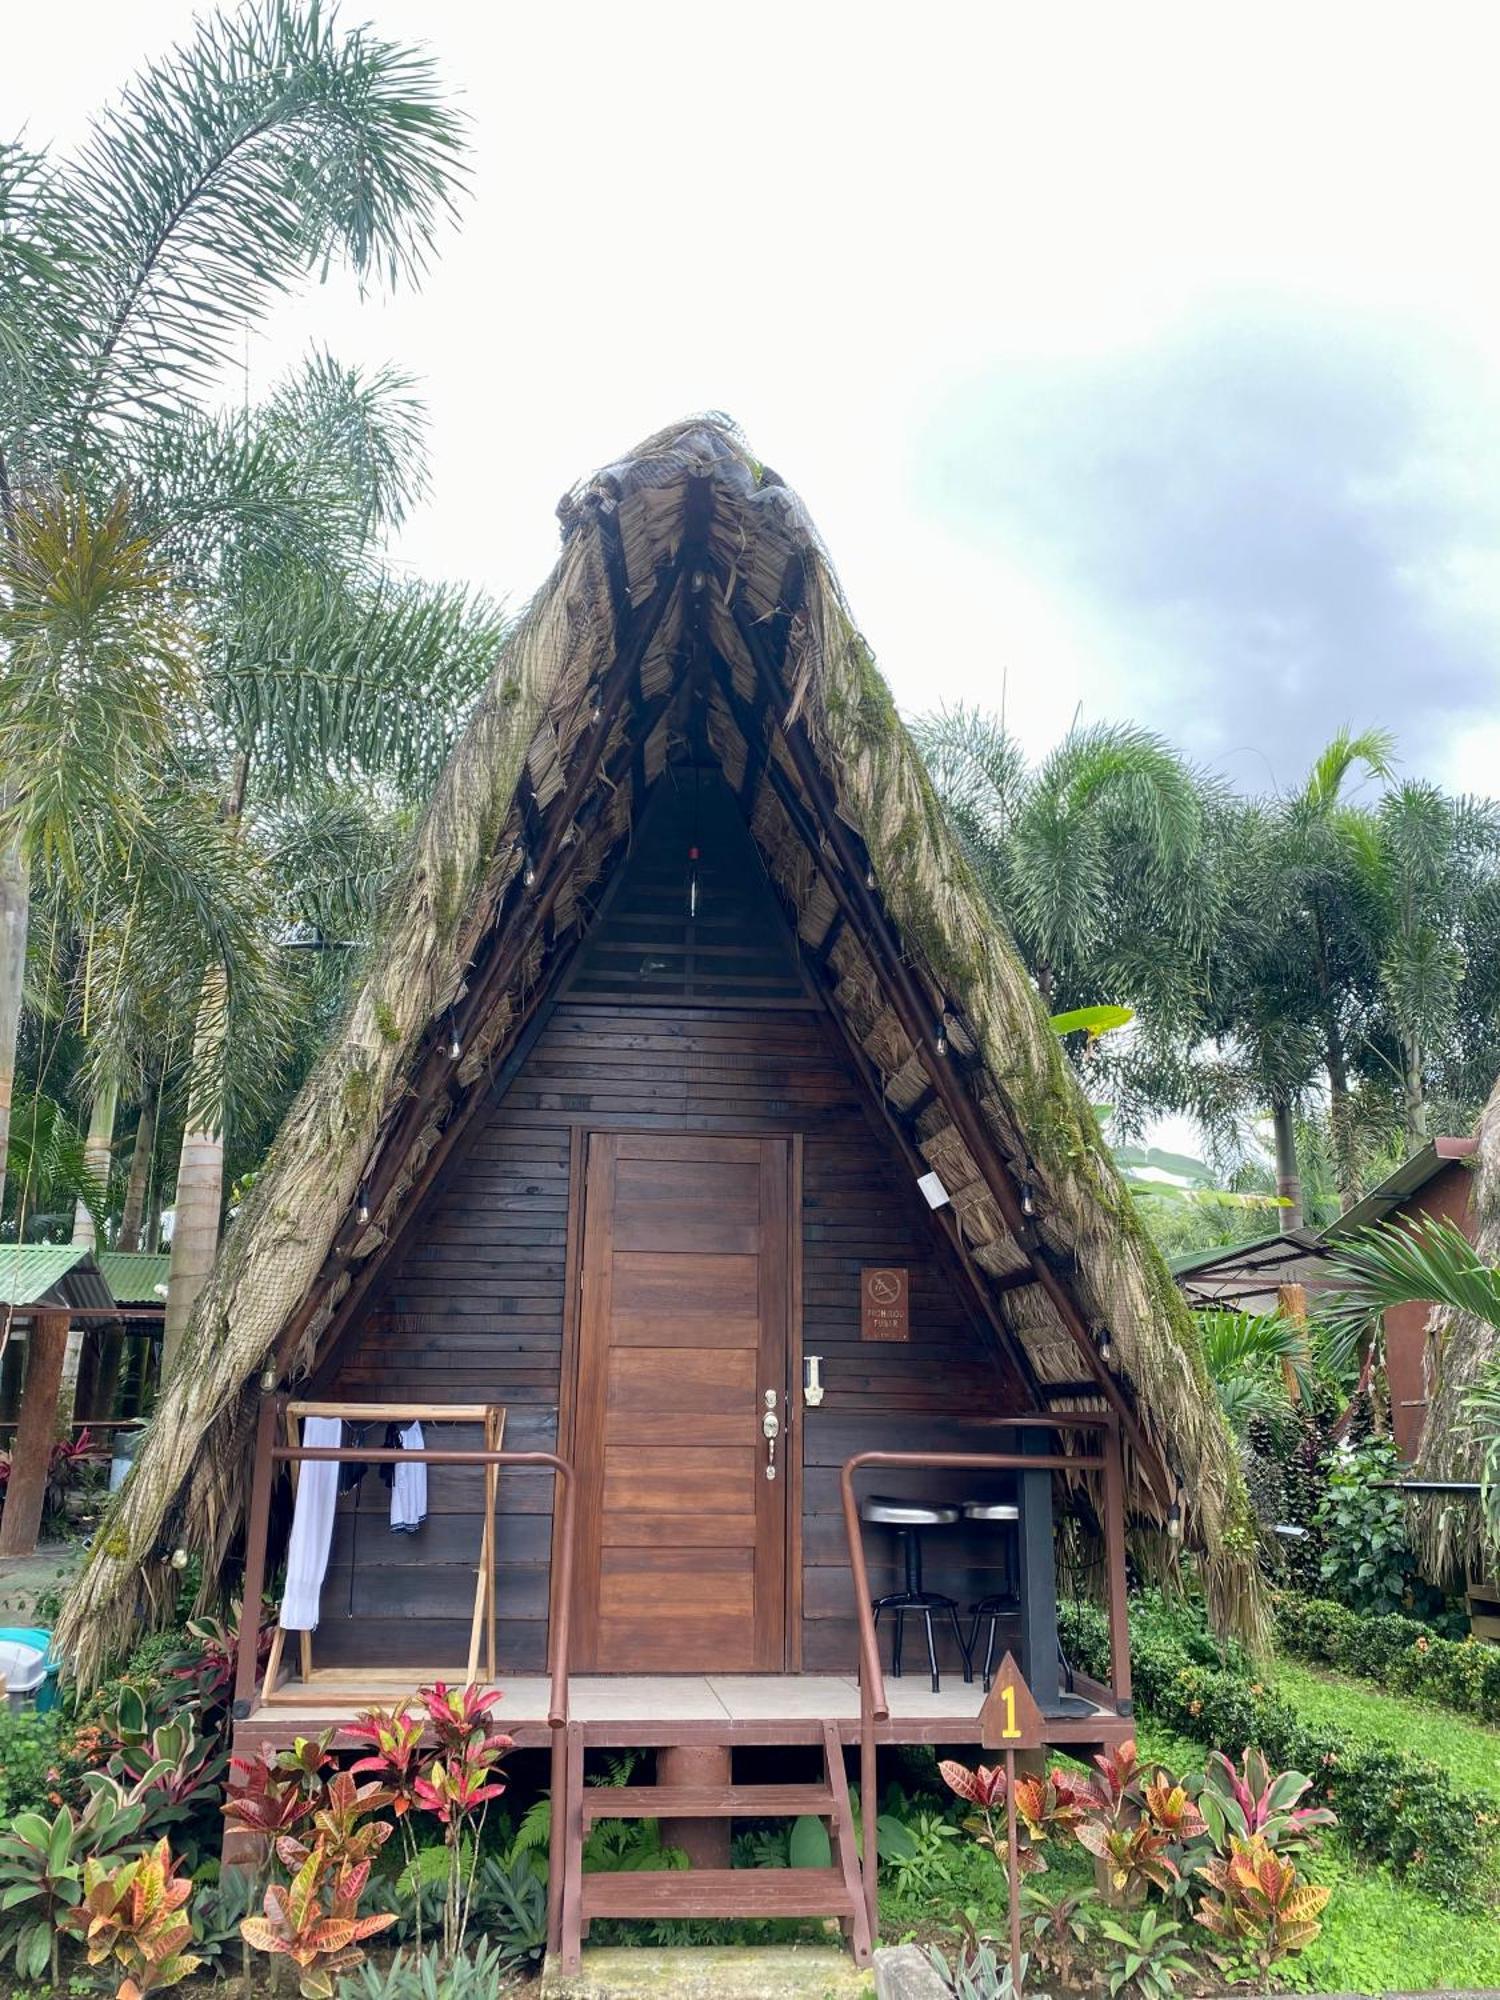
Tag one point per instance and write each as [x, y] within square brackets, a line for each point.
[682, 1333]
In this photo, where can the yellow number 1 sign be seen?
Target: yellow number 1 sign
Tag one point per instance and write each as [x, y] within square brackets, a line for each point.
[1010, 1718]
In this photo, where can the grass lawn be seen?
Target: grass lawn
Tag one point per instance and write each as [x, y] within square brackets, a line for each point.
[1470, 1750]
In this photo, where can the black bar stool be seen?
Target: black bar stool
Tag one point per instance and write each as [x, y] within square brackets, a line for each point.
[1005, 1601]
[909, 1518]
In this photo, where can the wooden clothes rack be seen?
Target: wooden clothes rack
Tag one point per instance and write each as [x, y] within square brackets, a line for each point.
[492, 1417]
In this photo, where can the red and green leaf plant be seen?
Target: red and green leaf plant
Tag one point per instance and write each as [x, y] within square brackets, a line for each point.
[457, 1788]
[394, 1760]
[1045, 1807]
[135, 1915]
[1135, 1857]
[314, 1920]
[1263, 1907]
[1253, 1801]
[1115, 1789]
[41, 1874]
[342, 1826]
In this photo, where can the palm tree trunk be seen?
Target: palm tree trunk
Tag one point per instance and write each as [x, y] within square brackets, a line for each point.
[1413, 1091]
[97, 1153]
[15, 908]
[1340, 1114]
[200, 1172]
[134, 1211]
[1288, 1179]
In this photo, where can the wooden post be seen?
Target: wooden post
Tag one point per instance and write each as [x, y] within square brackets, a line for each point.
[1114, 1567]
[1291, 1303]
[1013, 1869]
[35, 1430]
[705, 1842]
[256, 1528]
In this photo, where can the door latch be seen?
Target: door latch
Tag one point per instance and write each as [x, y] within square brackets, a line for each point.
[770, 1426]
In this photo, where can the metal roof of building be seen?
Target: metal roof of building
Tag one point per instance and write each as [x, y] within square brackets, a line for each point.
[1398, 1188]
[54, 1273]
[133, 1275]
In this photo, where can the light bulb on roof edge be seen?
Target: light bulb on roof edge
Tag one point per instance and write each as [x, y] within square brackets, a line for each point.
[455, 1044]
[1028, 1199]
[940, 1039]
[362, 1205]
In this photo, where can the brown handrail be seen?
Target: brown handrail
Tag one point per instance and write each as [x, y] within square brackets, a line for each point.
[269, 1454]
[873, 1706]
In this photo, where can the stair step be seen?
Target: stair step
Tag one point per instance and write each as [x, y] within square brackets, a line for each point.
[718, 1892]
[704, 1802]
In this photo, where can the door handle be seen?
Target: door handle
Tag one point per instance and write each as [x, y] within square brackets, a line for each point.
[770, 1427]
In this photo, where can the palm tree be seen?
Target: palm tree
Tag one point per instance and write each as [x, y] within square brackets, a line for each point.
[1427, 859]
[273, 143]
[1091, 858]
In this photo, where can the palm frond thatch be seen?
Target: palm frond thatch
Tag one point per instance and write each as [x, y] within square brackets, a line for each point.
[692, 597]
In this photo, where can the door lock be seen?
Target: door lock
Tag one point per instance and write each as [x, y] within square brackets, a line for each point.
[770, 1427]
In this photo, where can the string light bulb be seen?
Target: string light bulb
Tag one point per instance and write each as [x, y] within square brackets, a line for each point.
[362, 1205]
[1106, 1346]
[596, 703]
[693, 882]
[528, 868]
[455, 1041]
[1028, 1199]
[869, 878]
[940, 1039]
[179, 1560]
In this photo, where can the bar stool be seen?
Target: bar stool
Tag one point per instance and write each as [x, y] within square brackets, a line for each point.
[1005, 1600]
[909, 1518]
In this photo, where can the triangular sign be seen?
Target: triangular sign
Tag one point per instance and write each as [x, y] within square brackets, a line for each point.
[1010, 1718]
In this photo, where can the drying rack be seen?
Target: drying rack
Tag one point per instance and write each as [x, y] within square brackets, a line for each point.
[492, 1417]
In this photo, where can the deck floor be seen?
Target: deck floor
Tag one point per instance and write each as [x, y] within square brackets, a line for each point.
[741, 1705]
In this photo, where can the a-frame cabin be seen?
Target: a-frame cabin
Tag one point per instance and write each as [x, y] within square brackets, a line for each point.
[695, 1112]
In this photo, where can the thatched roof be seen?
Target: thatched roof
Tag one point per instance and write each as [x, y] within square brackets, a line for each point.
[692, 600]
[1463, 1350]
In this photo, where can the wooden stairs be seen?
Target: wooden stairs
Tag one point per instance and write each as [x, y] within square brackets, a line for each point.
[672, 1893]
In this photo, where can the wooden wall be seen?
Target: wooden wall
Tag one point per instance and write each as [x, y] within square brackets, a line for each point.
[472, 1309]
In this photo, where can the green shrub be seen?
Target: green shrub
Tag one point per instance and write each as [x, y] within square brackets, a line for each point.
[1393, 1806]
[1401, 1654]
[28, 1752]
[1367, 1559]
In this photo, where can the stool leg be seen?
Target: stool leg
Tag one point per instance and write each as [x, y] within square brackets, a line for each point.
[963, 1650]
[896, 1646]
[931, 1646]
[989, 1651]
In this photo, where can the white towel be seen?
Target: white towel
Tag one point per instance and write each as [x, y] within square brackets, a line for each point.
[409, 1487]
[312, 1528]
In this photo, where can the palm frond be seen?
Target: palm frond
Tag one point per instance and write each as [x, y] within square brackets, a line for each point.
[1429, 1261]
[272, 142]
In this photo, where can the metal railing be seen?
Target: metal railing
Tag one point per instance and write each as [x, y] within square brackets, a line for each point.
[873, 1705]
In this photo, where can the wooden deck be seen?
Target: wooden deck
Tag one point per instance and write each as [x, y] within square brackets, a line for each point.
[639, 1711]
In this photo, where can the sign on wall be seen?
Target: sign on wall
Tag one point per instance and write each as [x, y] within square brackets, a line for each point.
[884, 1296]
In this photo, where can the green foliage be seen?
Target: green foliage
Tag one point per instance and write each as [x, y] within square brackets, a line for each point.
[1150, 1954]
[1391, 1805]
[1367, 1559]
[1399, 1653]
[978, 1972]
[424, 1976]
[42, 1873]
[28, 1751]
[510, 1903]
[808, 1844]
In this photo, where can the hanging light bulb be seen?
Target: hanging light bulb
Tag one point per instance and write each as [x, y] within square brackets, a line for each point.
[869, 878]
[693, 882]
[1174, 1512]
[1028, 1199]
[528, 868]
[179, 1560]
[940, 1039]
[596, 703]
[1106, 1346]
[362, 1205]
[455, 1041]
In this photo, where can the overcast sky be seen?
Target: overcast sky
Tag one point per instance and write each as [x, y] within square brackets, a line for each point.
[1140, 362]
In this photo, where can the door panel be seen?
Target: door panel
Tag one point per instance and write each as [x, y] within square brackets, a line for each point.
[682, 1330]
